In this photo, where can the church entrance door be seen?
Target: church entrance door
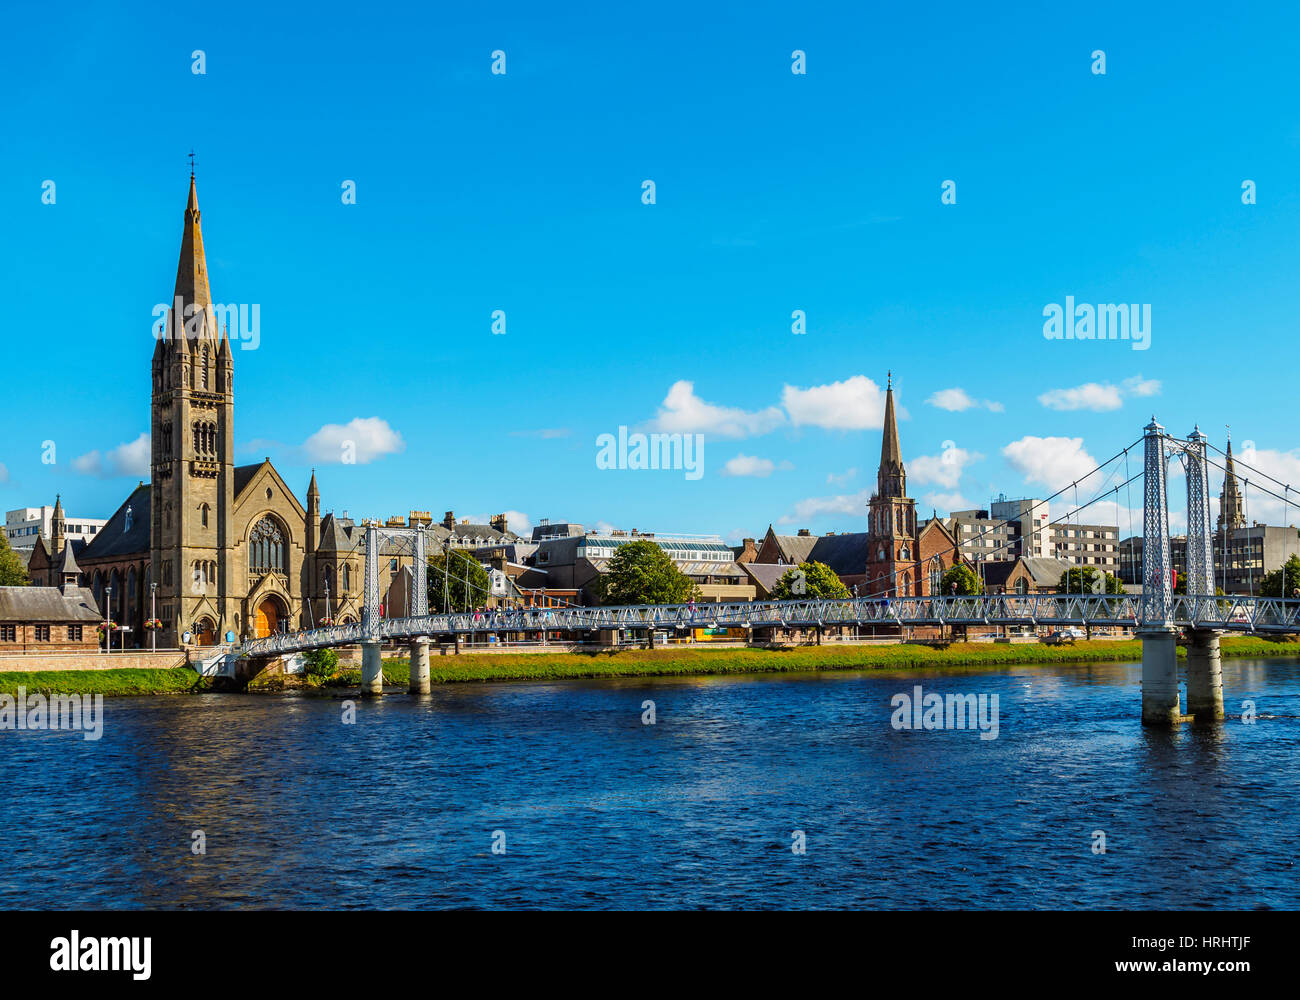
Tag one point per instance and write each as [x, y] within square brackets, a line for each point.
[268, 618]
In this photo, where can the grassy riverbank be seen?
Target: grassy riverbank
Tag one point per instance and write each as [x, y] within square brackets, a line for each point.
[701, 661]
[676, 661]
[110, 683]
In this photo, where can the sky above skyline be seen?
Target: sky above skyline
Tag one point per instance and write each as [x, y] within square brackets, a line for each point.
[482, 194]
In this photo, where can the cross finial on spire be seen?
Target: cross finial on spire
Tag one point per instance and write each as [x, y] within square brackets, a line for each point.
[191, 164]
[889, 380]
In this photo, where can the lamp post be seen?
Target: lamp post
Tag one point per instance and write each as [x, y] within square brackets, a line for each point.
[108, 618]
[328, 616]
[153, 617]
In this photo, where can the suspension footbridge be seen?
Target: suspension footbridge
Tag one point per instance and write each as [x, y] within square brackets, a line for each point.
[1156, 614]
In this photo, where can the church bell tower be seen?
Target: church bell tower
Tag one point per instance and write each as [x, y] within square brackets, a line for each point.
[192, 458]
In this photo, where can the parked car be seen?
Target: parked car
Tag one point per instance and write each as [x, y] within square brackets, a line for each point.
[1066, 635]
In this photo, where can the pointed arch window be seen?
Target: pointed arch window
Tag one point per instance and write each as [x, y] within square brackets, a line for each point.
[267, 547]
[936, 575]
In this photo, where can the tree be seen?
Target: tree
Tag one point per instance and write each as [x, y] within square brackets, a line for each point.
[1282, 582]
[321, 662]
[12, 571]
[810, 579]
[447, 582]
[1081, 579]
[966, 581]
[641, 573]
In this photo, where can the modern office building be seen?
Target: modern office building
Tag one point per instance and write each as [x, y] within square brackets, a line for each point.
[26, 524]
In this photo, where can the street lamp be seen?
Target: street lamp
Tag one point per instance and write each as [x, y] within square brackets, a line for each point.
[108, 618]
[153, 617]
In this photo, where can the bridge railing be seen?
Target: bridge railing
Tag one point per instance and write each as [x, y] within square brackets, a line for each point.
[1100, 610]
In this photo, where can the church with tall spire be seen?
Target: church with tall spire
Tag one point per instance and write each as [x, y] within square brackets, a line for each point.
[903, 559]
[207, 549]
[1231, 513]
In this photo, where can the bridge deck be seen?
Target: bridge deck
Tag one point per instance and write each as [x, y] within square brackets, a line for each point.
[1240, 614]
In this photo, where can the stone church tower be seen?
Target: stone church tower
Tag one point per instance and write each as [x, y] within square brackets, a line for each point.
[1230, 510]
[892, 560]
[192, 463]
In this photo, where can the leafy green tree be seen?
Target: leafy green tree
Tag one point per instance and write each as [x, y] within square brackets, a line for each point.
[12, 571]
[447, 582]
[1181, 586]
[641, 573]
[321, 662]
[810, 579]
[967, 582]
[1081, 579]
[1282, 582]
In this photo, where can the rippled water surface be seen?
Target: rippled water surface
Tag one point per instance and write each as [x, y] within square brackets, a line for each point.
[599, 810]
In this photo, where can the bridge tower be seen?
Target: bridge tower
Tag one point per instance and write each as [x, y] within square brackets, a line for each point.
[1160, 702]
[1204, 668]
[372, 663]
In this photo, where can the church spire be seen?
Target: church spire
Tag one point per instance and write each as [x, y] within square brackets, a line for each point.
[1230, 509]
[192, 279]
[891, 480]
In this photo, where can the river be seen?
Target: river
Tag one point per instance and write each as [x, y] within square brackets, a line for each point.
[594, 809]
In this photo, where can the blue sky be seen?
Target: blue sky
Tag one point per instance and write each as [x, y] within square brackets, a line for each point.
[775, 192]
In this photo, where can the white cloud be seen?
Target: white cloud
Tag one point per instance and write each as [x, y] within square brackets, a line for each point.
[751, 465]
[129, 459]
[944, 469]
[1259, 506]
[1139, 386]
[839, 480]
[1090, 396]
[946, 502]
[957, 400]
[853, 504]
[1098, 396]
[516, 521]
[855, 404]
[1054, 462]
[683, 411]
[361, 440]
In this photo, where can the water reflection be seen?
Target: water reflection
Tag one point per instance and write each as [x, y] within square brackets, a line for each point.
[398, 810]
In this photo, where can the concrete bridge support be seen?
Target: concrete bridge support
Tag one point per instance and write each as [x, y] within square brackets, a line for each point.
[372, 668]
[420, 666]
[1204, 676]
[1160, 704]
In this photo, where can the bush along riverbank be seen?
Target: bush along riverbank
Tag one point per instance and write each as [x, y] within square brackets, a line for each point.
[672, 662]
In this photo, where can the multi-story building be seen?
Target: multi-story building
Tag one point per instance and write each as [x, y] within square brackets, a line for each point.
[26, 524]
[575, 562]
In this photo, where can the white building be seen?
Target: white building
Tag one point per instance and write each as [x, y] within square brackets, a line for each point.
[24, 525]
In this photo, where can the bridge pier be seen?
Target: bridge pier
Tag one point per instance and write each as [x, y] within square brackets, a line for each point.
[1160, 703]
[372, 667]
[420, 666]
[1204, 676]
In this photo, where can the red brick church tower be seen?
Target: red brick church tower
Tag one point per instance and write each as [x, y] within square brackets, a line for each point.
[893, 562]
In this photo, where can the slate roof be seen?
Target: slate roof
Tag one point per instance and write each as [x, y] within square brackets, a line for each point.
[795, 548]
[47, 604]
[244, 475]
[113, 539]
[1044, 570]
[845, 553]
[765, 575]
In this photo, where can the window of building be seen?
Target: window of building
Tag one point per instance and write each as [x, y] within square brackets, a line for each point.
[42, 633]
[8, 633]
[266, 547]
[74, 633]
